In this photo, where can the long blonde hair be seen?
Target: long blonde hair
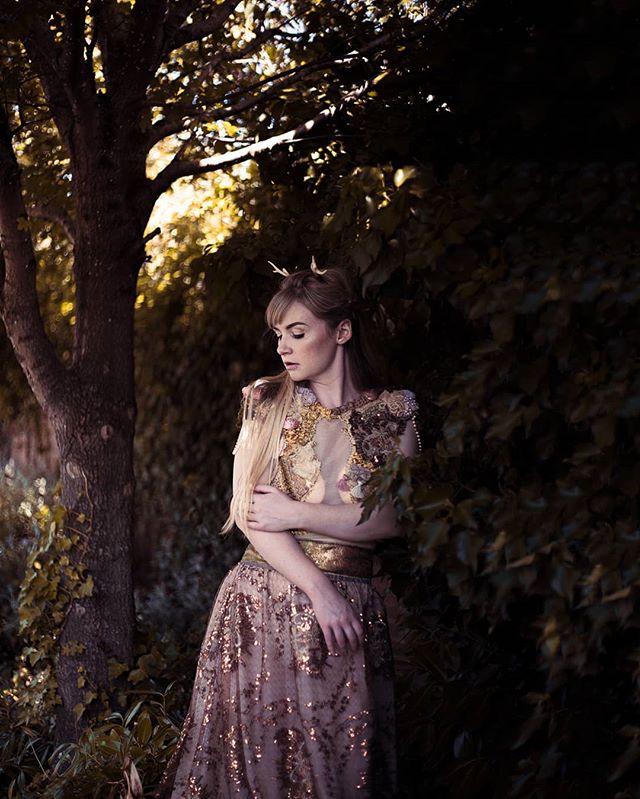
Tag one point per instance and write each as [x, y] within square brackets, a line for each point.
[331, 296]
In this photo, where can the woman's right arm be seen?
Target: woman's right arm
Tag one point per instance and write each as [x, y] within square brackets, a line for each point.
[337, 619]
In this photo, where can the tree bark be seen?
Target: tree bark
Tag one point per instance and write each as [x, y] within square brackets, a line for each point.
[96, 435]
[91, 405]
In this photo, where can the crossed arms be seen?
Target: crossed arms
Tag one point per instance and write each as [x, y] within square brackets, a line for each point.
[274, 513]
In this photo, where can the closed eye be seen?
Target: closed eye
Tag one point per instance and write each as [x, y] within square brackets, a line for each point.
[293, 335]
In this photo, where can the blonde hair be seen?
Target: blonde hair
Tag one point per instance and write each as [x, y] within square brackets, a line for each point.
[329, 295]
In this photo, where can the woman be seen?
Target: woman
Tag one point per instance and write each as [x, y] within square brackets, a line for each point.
[293, 695]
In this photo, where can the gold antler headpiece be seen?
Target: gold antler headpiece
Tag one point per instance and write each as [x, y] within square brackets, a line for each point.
[315, 268]
[278, 270]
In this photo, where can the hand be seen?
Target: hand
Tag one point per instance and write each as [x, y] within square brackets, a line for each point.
[337, 619]
[271, 510]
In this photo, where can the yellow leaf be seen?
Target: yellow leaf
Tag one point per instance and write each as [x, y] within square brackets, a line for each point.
[136, 676]
[402, 175]
[116, 668]
[86, 588]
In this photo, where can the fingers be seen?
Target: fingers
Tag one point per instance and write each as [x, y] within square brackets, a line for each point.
[257, 522]
[329, 638]
[353, 633]
[341, 638]
[343, 635]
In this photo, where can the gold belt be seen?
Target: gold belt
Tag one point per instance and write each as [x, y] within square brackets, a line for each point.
[350, 561]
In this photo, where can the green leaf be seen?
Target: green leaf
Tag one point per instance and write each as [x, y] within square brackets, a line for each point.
[143, 728]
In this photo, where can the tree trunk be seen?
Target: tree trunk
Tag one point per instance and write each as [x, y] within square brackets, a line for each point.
[91, 405]
[95, 433]
[95, 436]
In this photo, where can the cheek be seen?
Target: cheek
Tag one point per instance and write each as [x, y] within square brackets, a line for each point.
[304, 346]
[318, 349]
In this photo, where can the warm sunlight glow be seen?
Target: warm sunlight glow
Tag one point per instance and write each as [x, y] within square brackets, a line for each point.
[193, 214]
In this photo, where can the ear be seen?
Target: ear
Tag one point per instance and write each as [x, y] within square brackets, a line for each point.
[344, 331]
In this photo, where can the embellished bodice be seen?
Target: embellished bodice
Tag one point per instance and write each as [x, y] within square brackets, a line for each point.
[328, 454]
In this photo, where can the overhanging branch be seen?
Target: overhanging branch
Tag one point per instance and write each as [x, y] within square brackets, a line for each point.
[163, 129]
[183, 168]
[288, 78]
[278, 82]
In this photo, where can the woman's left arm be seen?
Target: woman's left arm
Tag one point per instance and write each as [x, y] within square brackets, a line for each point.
[274, 511]
[341, 521]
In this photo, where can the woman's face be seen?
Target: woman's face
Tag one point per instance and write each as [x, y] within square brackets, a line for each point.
[308, 348]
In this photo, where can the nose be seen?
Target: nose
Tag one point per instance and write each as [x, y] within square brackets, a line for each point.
[283, 347]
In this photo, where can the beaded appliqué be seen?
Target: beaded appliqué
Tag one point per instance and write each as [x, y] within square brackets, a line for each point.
[373, 423]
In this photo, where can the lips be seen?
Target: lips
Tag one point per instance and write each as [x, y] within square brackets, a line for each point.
[288, 365]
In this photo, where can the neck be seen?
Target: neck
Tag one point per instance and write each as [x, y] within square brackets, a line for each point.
[333, 391]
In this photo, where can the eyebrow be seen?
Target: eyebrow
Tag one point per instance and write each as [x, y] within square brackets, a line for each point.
[293, 324]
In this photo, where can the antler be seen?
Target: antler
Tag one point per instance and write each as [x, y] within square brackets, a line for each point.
[277, 269]
[315, 268]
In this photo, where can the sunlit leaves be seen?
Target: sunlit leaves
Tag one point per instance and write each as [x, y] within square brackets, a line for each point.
[193, 215]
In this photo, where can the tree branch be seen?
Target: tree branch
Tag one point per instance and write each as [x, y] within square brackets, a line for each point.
[198, 30]
[287, 78]
[230, 56]
[43, 54]
[53, 214]
[160, 130]
[143, 46]
[178, 169]
[163, 128]
[3, 275]
[18, 297]
[284, 79]
[75, 68]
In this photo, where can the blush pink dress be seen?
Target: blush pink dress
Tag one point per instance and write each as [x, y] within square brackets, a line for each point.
[274, 714]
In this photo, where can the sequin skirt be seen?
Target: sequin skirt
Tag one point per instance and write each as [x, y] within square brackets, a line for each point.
[274, 714]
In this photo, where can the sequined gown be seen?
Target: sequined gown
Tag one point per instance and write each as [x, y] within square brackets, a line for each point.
[274, 714]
